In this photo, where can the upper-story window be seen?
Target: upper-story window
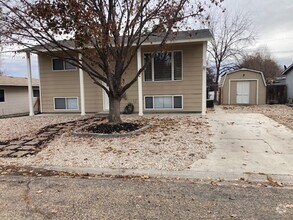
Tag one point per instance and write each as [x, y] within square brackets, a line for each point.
[163, 66]
[63, 64]
[2, 95]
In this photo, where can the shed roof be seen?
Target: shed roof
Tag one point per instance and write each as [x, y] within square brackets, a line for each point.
[286, 71]
[223, 77]
[176, 37]
[16, 81]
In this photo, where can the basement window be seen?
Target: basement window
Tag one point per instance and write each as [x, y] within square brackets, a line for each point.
[164, 102]
[65, 103]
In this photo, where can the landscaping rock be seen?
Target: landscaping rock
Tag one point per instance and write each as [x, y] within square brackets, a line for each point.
[47, 134]
[19, 153]
[12, 147]
[5, 153]
[32, 143]
[27, 148]
[19, 142]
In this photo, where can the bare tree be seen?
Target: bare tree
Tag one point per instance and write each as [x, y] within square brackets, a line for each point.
[107, 33]
[262, 60]
[231, 36]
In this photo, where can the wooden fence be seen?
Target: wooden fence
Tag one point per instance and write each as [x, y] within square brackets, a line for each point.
[276, 94]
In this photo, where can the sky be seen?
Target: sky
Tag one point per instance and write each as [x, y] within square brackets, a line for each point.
[272, 21]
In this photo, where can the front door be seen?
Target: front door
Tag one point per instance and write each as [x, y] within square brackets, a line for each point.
[242, 96]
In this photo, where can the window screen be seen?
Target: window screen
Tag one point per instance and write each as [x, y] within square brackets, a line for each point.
[71, 103]
[163, 102]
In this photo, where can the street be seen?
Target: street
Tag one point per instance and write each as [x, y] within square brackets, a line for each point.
[32, 197]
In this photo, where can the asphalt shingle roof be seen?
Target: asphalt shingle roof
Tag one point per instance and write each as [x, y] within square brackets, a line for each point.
[16, 81]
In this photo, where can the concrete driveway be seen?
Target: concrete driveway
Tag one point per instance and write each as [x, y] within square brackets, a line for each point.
[247, 145]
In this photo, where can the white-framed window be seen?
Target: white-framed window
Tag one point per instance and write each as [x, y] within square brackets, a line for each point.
[163, 102]
[65, 103]
[2, 95]
[163, 66]
[62, 64]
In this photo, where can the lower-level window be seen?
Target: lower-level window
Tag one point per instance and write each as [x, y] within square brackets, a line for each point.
[163, 102]
[2, 95]
[65, 103]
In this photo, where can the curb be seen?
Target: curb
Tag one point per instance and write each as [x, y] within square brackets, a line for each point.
[184, 174]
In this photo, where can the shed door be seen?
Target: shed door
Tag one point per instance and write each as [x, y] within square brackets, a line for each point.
[242, 96]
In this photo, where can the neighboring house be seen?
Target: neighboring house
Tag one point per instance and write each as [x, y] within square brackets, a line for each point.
[279, 80]
[172, 83]
[289, 82]
[243, 86]
[14, 95]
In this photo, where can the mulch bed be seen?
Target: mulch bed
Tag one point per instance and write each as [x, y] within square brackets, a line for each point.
[105, 128]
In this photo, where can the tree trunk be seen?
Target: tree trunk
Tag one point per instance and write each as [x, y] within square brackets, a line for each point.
[217, 85]
[114, 111]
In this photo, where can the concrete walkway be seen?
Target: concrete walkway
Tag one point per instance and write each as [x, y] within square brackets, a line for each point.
[247, 145]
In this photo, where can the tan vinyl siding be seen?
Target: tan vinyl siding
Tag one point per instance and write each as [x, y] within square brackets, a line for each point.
[244, 75]
[93, 95]
[190, 87]
[57, 84]
[66, 83]
[16, 100]
[132, 92]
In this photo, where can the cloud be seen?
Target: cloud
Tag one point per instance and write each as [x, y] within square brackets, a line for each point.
[15, 64]
[273, 21]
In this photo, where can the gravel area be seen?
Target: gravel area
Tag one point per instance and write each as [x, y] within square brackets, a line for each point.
[12, 128]
[282, 114]
[173, 142]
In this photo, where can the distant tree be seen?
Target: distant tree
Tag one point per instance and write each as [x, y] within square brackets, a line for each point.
[108, 33]
[262, 60]
[210, 76]
[231, 35]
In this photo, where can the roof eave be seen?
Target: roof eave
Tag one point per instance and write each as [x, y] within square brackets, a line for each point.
[30, 50]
